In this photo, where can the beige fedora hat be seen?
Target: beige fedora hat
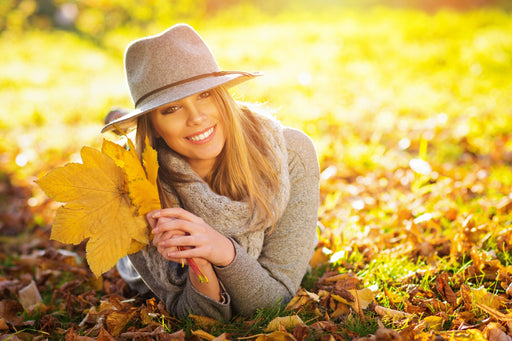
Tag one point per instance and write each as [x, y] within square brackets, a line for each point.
[170, 66]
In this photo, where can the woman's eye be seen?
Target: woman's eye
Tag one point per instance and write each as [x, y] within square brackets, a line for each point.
[204, 94]
[170, 110]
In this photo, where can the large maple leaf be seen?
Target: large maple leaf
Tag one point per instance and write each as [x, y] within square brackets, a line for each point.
[106, 197]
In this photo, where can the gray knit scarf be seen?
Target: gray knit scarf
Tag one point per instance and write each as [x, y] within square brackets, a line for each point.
[232, 218]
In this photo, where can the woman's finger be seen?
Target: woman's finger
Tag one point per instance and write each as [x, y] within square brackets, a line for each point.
[172, 224]
[151, 220]
[177, 213]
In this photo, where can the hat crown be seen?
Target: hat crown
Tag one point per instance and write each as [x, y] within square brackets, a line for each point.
[170, 66]
[172, 56]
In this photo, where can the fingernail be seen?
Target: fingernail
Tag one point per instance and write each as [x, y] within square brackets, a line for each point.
[156, 230]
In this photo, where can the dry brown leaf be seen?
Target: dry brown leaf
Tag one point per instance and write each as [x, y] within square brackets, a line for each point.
[302, 299]
[394, 314]
[3, 324]
[495, 332]
[117, 320]
[362, 299]
[494, 313]
[385, 334]
[434, 322]
[203, 335]
[345, 277]
[29, 296]
[482, 297]
[276, 336]
[104, 336]
[204, 321]
[445, 289]
[286, 322]
[179, 335]
[454, 335]
[319, 258]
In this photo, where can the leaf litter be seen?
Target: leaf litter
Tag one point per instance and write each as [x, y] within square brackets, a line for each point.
[402, 255]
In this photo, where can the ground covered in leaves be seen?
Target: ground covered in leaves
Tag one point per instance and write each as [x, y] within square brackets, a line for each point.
[415, 147]
[444, 274]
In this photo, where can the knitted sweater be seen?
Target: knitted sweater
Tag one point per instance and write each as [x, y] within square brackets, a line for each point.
[276, 274]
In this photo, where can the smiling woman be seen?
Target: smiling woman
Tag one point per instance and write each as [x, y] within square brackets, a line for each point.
[240, 191]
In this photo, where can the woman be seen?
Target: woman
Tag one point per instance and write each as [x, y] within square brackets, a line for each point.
[239, 191]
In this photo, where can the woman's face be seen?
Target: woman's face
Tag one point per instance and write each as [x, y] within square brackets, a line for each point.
[192, 127]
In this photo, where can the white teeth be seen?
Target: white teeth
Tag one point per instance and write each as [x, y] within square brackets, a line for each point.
[202, 136]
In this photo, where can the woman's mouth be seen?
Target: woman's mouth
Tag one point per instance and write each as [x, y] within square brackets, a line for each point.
[202, 137]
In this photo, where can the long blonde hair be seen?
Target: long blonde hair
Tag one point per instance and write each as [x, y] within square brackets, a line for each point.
[247, 168]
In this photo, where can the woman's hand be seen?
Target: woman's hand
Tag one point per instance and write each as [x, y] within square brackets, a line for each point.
[174, 227]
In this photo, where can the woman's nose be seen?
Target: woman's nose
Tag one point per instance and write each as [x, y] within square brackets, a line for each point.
[195, 114]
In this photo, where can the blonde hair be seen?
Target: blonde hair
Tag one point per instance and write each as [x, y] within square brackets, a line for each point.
[246, 169]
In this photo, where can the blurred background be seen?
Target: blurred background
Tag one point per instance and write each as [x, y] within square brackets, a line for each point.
[372, 82]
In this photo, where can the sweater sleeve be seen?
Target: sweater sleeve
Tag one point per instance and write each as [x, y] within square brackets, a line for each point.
[276, 275]
[170, 282]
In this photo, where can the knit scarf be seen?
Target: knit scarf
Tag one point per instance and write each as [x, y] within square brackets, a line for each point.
[231, 218]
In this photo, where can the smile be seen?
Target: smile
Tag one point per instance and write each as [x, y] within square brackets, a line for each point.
[202, 137]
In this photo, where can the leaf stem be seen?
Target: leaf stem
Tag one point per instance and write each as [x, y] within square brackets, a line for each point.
[197, 270]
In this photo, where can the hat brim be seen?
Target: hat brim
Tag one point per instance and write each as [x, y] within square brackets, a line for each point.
[177, 93]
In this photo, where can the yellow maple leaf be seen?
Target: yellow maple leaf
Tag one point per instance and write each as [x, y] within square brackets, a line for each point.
[104, 197]
[141, 190]
[150, 161]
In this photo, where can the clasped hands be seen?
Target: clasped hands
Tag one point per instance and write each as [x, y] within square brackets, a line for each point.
[176, 227]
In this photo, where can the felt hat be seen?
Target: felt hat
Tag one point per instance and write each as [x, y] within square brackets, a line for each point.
[170, 66]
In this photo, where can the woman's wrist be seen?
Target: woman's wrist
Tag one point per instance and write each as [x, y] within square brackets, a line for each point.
[229, 254]
[211, 288]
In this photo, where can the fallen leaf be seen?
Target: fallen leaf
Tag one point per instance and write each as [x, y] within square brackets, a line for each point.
[494, 332]
[319, 258]
[104, 336]
[276, 336]
[117, 320]
[494, 313]
[364, 298]
[302, 299]
[29, 296]
[3, 324]
[445, 289]
[455, 335]
[394, 314]
[203, 335]
[482, 297]
[286, 322]
[385, 334]
[204, 321]
[434, 322]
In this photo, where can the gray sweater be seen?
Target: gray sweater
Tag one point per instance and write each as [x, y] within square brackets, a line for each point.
[276, 274]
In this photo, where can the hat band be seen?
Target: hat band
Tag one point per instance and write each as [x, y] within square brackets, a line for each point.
[183, 81]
